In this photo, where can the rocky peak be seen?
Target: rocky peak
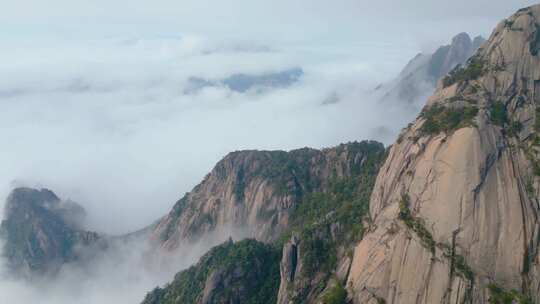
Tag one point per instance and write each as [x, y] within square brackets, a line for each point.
[42, 232]
[421, 74]
[28, 199]
[253, 192]
[448, 57]
[455, 206]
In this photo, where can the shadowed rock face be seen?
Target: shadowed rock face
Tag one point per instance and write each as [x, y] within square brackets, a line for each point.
[42, 232]
[255, 191]
[455, 206]
[421, 74]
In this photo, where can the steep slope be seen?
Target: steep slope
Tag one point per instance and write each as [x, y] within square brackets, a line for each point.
[421, 74]
[455, 206]
[42, 232]
[324, 220]
[242, 272]
[256, 191]
[268, 195]
[324, 228]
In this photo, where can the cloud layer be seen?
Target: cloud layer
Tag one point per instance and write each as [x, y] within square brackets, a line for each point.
[110, 123]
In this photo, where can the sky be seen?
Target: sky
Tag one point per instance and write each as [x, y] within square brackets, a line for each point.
[94, 102]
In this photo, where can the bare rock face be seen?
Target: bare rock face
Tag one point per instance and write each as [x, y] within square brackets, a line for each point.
[455, 207]
[299, 282]
[255, 191]
[421, 74]
[42, 232]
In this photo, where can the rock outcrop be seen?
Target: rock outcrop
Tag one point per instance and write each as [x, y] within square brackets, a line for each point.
[254, 192]
[42, 232]
[419, 77]
[455, 207]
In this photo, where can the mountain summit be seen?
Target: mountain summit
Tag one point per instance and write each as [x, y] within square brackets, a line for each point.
[43, 232]
[420, 75]
[455, 206]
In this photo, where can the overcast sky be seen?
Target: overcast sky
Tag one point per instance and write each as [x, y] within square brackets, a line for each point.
[316, 21]
[93, 101]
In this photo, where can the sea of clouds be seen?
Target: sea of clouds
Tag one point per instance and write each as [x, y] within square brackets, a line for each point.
[110, 124]
[115, 125]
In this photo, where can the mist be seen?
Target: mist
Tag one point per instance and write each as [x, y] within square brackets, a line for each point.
[110, 125]
[124, 273]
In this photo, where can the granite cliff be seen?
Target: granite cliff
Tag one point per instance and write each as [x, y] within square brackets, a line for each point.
[455, 207]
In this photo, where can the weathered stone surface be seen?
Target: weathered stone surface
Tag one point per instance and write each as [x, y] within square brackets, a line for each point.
[457, 210]
[255, 191]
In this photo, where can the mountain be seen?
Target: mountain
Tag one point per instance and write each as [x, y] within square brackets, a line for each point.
[242, 272]
[42, 233]
[455, 207]
[316, 197]
[242, 83]
[255, 192]
[420, 75]
[309, 205]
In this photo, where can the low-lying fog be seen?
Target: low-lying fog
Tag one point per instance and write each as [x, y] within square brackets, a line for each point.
[118, 126]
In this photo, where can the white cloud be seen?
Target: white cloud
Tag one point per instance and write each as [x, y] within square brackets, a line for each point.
[107, 123]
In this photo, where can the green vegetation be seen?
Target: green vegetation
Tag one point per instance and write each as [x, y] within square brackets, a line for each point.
[336, 295]
[459, 265]
[447, 119]
[537, 119]
[498, 114]
[531, 156]
[501, 296]
[457, 262]
[344, 203]
[332, 218]
[239, 187]
[380, 300]
[415, 224]
[515, 127]
[250, 272]
[326, 216]
[529, 187]
[535, 43]
[475, 68]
